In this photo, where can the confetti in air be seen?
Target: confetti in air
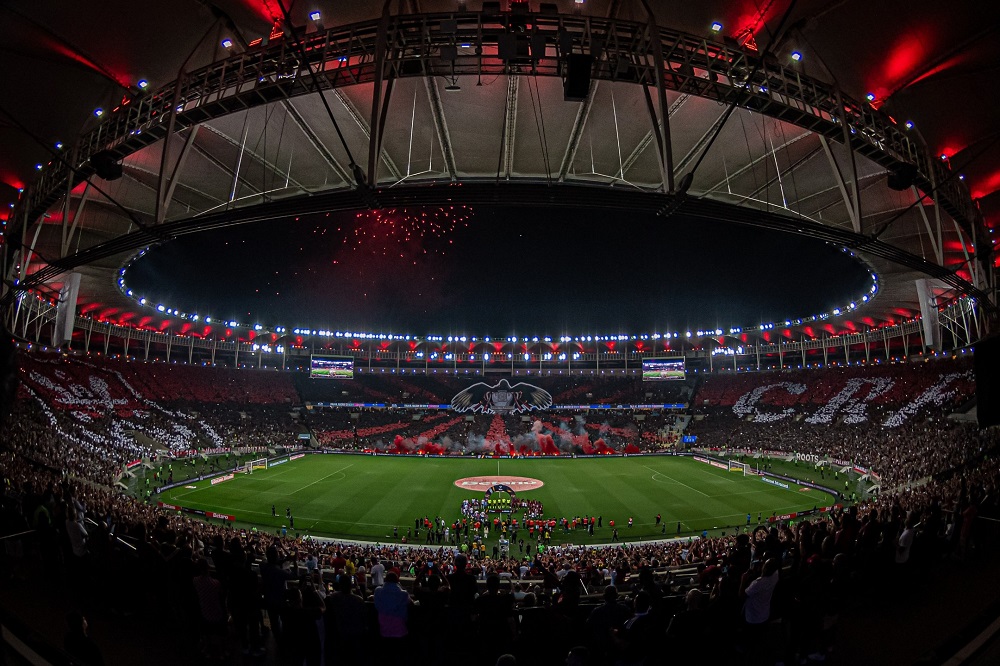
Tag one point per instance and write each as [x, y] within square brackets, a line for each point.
[391, 231]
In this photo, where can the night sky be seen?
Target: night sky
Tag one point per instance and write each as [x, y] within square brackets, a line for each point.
[496, 272]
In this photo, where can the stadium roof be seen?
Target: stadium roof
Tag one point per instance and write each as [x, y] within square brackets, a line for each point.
[251, 139]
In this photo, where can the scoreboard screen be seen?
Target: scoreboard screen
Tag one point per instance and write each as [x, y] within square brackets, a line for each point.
[662, 369]
[331, 367]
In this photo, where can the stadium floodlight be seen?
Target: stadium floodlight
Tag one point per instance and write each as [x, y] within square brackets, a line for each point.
[909, 124]
[38, 167]
[944, 157]
[870, 97]
[314, 16]
[160, 308]
[796, 56]
[143, 84]
[98, 112]
[716, 27]
[59, 145]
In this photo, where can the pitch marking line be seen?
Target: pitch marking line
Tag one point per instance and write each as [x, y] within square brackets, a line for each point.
[239, 510]
[322, 479]
[655, 472]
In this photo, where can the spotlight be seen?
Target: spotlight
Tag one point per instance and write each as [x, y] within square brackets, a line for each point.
[98, 112]
[796, 56]
[716, 27]
[909, 124]
[227, 43]
[59, 145]
[961, 176]
[38, 167]
[870, 97]
[143, 84]
[314, 16]
[944, 157]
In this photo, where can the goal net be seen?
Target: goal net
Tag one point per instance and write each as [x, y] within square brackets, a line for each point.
[739, 467]
[255, 464]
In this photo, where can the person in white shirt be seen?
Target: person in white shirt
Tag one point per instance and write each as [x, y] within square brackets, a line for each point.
[77, 532]
[758, 593]
[378, 574]
[905, 541]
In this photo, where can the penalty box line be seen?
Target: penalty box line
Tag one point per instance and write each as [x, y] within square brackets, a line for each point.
[321, 479]
[676, 481]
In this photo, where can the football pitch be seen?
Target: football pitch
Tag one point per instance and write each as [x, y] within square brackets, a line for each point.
[366, 497]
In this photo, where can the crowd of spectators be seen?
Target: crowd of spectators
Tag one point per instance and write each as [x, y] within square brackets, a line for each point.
[543, 605]
[756, 596]
[571, 431]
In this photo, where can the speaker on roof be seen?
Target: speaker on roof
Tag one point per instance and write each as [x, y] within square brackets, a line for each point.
[902, 177]
[62, 331]
[9, 376]
[986, 362]
[576, 86]
[106, 165]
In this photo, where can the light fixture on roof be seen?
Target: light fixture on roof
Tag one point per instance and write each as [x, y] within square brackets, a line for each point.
[944, 157]
[98, 112]
[796, 56]
[909, 124]
[870, 97]
[143, 84]
[38, 167]
[716, 27]
[227, 43]
[314, 16]
[59, 145]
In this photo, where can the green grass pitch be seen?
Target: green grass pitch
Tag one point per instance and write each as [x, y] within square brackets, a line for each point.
[365, 497]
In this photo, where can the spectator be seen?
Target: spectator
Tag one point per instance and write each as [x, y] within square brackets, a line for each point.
[604, 621]
[393, 606]
[78, 643]
[344, 622]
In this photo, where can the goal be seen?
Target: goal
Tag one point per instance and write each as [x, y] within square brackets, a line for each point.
[739, 467]
[251, 465]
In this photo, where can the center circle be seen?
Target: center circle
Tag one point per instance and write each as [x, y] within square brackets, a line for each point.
[484, 483]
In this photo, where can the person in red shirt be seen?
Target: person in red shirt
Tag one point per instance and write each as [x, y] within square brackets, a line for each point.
[339, 562]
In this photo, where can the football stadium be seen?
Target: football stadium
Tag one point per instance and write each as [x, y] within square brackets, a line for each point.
[597, 332]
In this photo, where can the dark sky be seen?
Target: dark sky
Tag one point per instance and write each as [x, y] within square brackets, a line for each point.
[495, 272]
